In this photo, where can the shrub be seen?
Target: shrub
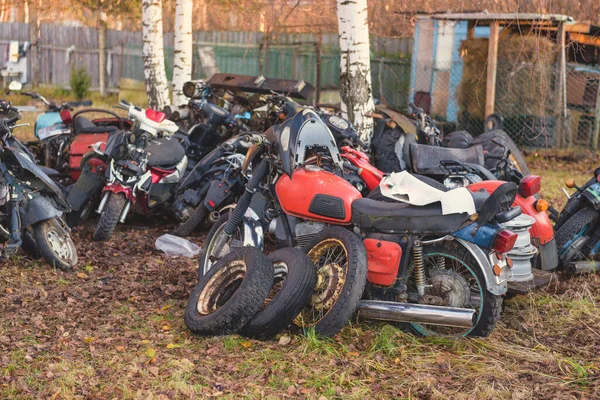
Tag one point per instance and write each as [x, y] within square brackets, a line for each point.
[80, 82]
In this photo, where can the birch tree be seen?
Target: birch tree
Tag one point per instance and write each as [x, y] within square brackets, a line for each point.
[355, 66]
[182, 63]
[153, 54]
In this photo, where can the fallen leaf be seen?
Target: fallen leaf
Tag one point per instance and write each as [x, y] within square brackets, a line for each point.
[150, 353]
[173, 346]
[353, 353]
[396, 361]
[89, 339]
[284, 340]
[145, 341]
[153, 370]
[82, 275]
[8, 290]
[166, 328]
[246, 344]
[120, 348]
[28, 358]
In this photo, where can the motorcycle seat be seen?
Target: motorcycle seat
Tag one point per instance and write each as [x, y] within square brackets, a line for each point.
[165, 153]
[397, 217]
[84, 125]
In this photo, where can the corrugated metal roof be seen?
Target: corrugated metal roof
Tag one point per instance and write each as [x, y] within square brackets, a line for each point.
[490, 17]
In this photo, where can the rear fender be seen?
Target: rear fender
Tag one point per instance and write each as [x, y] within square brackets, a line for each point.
[495, 285]
[36, 210]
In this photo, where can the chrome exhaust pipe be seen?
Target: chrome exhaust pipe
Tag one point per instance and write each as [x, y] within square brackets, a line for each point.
[125, 212]
[583, 267]
[418, 313]
[103, 202]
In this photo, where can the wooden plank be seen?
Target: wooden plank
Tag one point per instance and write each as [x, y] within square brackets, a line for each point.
[596, 131]
[492, 64]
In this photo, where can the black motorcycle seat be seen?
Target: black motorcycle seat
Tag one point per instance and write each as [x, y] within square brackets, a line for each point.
[165, 153]
[396, 217]
[425, 159]
[84, 125]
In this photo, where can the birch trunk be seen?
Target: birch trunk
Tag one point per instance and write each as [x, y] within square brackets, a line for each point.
[153, 54]
[355, 66]
[102, 52]
[182, 63]
[34, 56]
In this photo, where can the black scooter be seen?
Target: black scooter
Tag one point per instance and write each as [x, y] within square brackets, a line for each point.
[31, 205]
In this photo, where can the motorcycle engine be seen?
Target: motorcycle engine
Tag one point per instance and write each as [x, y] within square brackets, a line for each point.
[462, 180]
[4, 195]
[305, 231]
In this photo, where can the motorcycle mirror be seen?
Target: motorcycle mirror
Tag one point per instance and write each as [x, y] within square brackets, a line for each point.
[15, 86]
[570, 183]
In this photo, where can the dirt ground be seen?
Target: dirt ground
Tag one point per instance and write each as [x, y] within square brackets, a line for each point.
[114, 328]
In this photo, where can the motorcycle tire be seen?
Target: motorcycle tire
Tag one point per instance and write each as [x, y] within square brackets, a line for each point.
[110, 217]
[516, 157]
[294, 281]
[55, 244]
[29, 245]
[187, 227]
[206, 263]
[230, 294]
[341, 286]
[458, 140]
[490, 308]
[586, 217]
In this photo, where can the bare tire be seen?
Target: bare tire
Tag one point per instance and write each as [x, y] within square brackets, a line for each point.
[386, 158]
[229, 295]
[340, 258]
[460, 283]
[187, 227]
[29, 245]
[582, 223]
[516, 157]
[110, 217]
[55, 244]
[294, 281]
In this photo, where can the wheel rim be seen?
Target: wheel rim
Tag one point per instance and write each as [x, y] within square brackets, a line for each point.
[221, 287]
[330, 256]
[209, 258]
[60, 244]
[474, 299]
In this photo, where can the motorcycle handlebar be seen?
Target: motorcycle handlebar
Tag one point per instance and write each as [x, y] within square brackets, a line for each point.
[255, 138]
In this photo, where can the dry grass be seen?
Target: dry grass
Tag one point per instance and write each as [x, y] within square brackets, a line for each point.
[114, 329]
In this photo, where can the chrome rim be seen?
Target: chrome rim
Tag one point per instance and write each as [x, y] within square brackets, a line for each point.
[210, 258]
[221, 287]
[60, 244]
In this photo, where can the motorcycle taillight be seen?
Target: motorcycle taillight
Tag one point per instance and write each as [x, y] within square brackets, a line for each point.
[65, 115]
[505, 240]
[530, 185]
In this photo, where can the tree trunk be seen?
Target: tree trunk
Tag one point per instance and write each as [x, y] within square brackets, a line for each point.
[182, 54]
[153, 54]
[355, 66]
[34, 56]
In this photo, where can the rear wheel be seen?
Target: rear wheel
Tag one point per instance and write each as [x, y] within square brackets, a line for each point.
[110, 216]
[340, 259]
[55, 244]
[230, 294]
[454, 279]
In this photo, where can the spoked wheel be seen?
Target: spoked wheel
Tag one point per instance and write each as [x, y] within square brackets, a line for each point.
[209, 256]
[230, 294]
[341, 264]
[55, 245]
[454, 279]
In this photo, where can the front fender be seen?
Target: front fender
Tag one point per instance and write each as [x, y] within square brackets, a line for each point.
[495, 285]
[253, 230]
[36, 210]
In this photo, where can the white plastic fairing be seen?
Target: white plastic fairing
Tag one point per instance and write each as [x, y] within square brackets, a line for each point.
[406, 188]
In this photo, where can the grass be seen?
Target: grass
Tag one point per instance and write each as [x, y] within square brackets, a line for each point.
[117, 331]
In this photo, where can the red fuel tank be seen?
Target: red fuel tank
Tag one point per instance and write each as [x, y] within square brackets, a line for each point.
[317, 195]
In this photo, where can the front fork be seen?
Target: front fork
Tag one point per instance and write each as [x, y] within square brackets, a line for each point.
[242, 206]
[105, 199]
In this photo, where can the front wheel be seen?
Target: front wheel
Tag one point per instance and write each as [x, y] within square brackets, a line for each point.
[55, 244]
[187, 227]
[340, 259]
[454, 279]
[209, 256]
[110, 217]
[574, 236]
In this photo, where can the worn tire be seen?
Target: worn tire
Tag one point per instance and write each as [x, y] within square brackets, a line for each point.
[295, 292]
[517, 157]
[187, 227]
[572, 226]
[245, 300]
[354, 283]
[492, 304]
[386, 158]
[110, 217]
[65, 258]
[457, 140]
[29, 245]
